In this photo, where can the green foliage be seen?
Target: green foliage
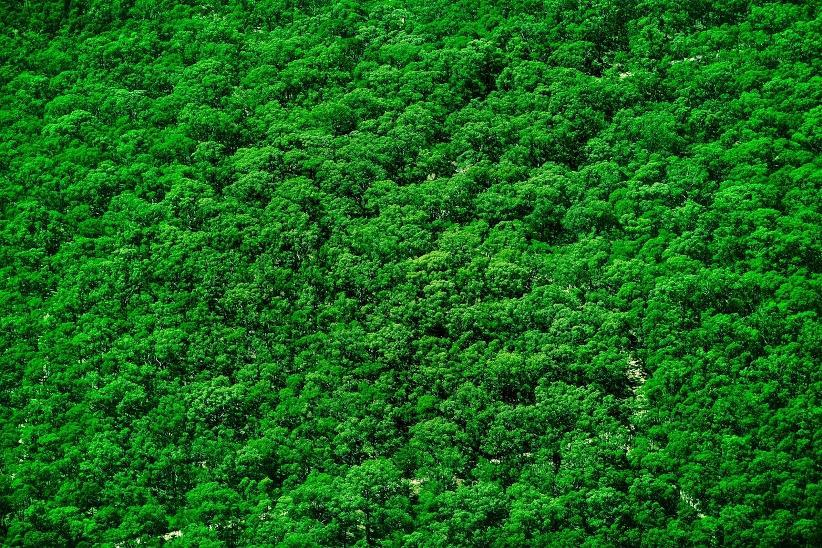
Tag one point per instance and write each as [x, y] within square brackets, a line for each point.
[410, 273]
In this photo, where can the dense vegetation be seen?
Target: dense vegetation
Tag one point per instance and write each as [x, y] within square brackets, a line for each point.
[441, 272]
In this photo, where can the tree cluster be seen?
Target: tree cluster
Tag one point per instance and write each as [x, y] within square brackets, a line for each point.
[410, 273]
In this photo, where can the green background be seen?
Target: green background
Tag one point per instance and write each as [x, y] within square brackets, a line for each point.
[424, 273]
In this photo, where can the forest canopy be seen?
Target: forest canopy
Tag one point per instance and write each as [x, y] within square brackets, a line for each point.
[410, 273]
